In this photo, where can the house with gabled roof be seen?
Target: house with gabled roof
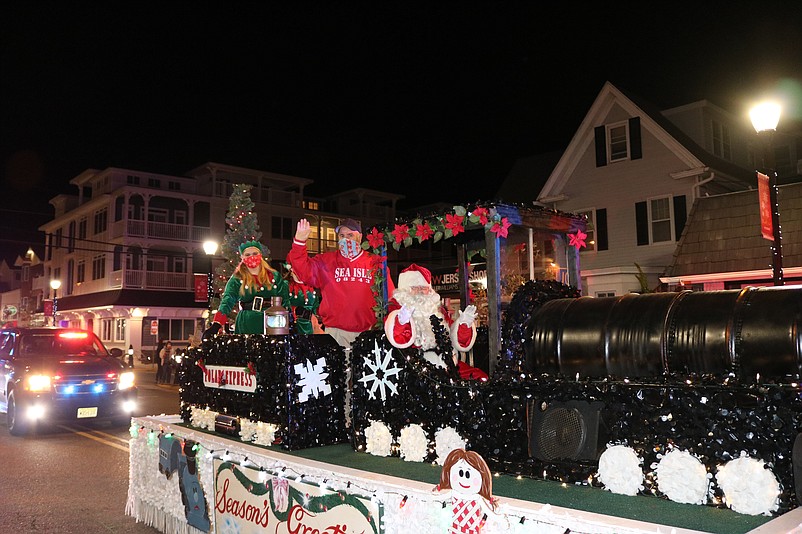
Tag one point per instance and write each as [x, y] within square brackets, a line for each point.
[635, 175]
[722, 246]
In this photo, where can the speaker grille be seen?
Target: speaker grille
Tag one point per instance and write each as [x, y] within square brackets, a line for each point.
[564, 430]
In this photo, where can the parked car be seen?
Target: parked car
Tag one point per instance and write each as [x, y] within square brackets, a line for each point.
[61, 374]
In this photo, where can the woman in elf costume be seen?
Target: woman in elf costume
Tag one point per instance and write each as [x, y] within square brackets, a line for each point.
[251, 286]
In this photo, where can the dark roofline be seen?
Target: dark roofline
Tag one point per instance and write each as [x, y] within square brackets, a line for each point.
[705, 157]
[131, 297]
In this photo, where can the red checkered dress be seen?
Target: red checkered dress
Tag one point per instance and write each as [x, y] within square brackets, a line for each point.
[467, 516]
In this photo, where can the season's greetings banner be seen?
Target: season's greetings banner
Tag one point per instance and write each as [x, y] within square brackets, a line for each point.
[245, 502]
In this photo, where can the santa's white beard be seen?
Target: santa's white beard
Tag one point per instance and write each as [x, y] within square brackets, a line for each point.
[424, 307]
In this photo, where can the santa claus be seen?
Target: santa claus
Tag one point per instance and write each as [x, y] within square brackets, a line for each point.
[409, 323]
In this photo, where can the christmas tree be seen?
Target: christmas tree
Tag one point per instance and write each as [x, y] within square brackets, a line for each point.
[241, 226]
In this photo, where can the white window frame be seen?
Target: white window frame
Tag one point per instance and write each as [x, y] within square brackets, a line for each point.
[722, 140]
[80, 271]
[180, 217]
[105, 329]
[158, 215]
[119, 329]
[591, 237]
[652, 221]
[156, 263]
[610, 155]
[99, 267]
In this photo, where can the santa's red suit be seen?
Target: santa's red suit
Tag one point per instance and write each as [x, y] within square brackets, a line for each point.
[408, 322]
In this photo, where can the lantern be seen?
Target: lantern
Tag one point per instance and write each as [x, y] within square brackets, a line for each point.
[277, 319]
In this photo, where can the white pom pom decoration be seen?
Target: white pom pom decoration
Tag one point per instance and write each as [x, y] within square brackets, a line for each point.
[683, 478]
[620, 470]
[749, 488]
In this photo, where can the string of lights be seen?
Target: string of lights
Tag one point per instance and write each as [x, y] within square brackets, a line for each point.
[396, 501]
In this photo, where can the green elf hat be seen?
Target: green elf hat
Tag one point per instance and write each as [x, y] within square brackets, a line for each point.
[256, 244]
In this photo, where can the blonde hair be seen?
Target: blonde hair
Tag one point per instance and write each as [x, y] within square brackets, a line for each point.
[266, 276]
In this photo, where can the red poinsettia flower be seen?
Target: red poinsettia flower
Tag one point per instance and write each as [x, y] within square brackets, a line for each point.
[482, 213]
[375, 238]
[500, 227]
[577, 240]
[400, 233]
[454, 223]
[520, 248]
[423, 231]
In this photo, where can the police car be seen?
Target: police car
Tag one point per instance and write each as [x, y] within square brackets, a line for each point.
[53, 374]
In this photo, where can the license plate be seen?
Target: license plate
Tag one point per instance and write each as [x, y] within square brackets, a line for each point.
[87, 412]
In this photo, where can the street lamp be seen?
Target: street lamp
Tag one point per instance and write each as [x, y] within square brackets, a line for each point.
[765, 117]
[55, 284]
[210, 248]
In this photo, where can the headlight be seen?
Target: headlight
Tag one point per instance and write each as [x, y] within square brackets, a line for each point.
[38, 383]
[126, 380]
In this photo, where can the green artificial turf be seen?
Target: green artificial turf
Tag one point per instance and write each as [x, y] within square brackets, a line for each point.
[589, 499]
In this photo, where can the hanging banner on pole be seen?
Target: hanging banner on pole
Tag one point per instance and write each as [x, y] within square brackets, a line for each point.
[764, 198]
[201, 287]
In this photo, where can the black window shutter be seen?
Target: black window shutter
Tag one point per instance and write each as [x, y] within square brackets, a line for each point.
[680, 215]
[642, 223]
[601, 229]
[635, 151]
[601, 146]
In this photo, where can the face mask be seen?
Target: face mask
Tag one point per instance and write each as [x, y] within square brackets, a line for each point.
[349, 248]
[252, 262]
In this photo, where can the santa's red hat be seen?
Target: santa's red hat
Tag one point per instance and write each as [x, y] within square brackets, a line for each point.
[414, 276]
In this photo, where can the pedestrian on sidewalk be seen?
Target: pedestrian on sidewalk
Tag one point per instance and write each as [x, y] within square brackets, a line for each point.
[158, 359]
[165, 355]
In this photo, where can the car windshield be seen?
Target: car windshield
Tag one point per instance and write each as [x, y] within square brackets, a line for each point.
[61, 344]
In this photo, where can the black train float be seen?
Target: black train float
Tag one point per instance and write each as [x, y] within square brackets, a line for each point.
[715, 373]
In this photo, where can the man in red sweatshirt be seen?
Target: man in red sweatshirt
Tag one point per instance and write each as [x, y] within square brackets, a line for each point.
[344, 278]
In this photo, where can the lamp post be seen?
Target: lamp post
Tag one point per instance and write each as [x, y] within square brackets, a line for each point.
[210, 248]
[55, 284]
[765, 117]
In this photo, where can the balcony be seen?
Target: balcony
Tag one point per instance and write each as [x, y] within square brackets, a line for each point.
[159, 230]
[133, 279]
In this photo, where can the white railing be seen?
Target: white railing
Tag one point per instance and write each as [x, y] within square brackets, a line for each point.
[156, 280]
[159, 230]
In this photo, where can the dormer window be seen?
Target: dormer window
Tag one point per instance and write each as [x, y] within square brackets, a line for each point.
[617, 148]
[618, 141]
[721, 140]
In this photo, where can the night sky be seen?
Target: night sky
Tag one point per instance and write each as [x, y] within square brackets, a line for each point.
[432, 100]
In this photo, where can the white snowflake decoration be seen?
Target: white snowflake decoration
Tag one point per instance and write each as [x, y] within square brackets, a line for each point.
[378, 440]
[446, 440]
[202, 418]
[265, 433]
[381, 373]
[413, 443]
[683, 478]
[247, 429]
[749, 488]
[620, 470]
[312, 380]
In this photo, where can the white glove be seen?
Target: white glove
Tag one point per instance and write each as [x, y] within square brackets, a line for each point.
[467, 316]
[405, 314]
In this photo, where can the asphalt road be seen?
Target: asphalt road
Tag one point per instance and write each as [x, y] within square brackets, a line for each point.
[74, 478]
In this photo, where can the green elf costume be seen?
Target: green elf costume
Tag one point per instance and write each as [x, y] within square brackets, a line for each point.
[252, 285]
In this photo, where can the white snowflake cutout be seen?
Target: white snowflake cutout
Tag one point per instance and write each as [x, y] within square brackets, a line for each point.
[312, 379]
[381, 373]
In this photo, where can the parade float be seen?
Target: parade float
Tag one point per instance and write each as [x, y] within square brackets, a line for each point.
[676, 412]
